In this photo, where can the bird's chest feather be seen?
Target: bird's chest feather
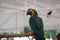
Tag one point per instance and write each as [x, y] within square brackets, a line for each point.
[35, 25]
[33, 22]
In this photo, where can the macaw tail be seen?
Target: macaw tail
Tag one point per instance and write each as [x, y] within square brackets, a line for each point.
[39, 37]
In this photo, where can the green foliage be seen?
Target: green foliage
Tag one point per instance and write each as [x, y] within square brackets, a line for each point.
[21, 32]
[50, 33]
[46, 34]
[11, 38]
[5, 33]
[26, 30]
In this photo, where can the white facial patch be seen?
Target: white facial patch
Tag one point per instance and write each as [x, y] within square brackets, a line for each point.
[30, 10]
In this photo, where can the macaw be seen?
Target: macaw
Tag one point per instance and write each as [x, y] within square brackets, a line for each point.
[36, 24]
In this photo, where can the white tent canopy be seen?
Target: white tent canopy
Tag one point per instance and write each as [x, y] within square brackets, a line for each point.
[13, 14]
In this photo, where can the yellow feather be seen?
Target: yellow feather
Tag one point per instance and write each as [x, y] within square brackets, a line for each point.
[32, 13]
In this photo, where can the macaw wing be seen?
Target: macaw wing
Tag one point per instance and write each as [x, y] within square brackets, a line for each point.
[37, 28]
[36, 25]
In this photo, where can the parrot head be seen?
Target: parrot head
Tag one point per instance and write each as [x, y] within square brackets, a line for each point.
[31, 12]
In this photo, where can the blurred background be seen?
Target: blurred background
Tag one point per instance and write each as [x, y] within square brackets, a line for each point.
[13, 19]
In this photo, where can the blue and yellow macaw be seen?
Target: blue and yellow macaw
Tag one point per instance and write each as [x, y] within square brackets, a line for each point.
[36, 24]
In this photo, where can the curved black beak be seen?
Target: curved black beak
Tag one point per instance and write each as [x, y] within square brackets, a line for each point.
[28, 13]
